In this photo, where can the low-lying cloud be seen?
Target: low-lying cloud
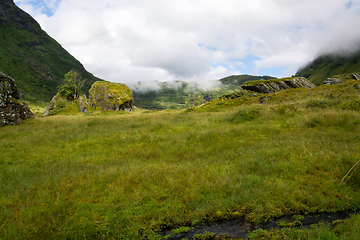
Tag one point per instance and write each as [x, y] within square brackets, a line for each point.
[193, 40]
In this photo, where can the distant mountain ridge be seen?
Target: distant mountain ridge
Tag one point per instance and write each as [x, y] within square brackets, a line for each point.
[240, 79]
[182, 94]
[35, 60]
[329, 65]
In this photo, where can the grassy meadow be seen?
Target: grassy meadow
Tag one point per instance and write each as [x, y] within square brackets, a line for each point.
[112, 175]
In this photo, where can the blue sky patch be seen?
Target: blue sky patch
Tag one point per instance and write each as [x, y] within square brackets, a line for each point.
[42, 6]
[349, 5]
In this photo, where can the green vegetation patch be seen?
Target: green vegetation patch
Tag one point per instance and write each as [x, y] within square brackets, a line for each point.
[324, 103]
[245, 115]
[344, 229]
[181, 229]
[352, 105]
[225, 102]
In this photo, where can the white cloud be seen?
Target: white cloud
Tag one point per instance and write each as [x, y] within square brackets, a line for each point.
[139, 40]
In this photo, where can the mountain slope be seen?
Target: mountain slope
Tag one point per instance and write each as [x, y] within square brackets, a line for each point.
[329, 65]
[240, 79]
[34, 59]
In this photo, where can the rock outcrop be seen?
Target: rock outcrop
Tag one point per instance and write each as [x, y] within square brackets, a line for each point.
[356, 76]
[111, 96]
[277, 85]
[12, 111]
[331, 81]
[59, 104]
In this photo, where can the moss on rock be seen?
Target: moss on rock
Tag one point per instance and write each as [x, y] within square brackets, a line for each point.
[59, 104]
[111, 96]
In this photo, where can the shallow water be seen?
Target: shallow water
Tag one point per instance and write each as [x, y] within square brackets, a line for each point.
[238, 228]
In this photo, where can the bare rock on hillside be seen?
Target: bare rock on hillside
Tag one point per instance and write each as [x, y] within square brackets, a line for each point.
[331, 81]
[356, 76]
[12, 111]
[271, 86]
[111, 96]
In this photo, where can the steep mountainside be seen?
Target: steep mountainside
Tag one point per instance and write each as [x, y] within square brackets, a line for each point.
[330, 65]
[34, 59]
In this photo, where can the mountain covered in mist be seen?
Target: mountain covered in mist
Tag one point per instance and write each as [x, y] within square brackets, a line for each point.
[329, 65]
[156, 95]
[34, 59]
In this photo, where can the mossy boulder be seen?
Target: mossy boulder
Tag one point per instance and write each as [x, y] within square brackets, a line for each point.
[111, 96]
[59, 104]
[12, 111]
[270, 86]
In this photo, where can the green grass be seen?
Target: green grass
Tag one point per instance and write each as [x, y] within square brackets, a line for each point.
[105, 175]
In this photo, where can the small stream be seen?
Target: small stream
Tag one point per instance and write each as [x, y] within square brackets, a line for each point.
[238, 228]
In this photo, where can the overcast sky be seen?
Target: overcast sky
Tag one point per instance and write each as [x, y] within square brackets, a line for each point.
[140, 40]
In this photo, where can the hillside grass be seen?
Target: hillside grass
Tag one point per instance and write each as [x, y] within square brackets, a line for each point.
[111, 175]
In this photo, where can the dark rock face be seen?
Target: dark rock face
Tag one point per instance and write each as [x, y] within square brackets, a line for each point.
[356, 76]
[273, 86]
[12, 112]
